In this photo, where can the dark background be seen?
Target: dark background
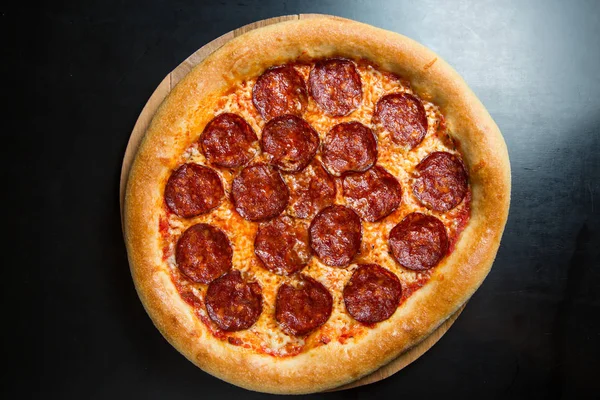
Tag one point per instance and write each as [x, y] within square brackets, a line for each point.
[75, 77]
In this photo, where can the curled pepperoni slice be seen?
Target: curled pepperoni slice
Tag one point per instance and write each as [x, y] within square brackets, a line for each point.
[289, 142]
[259, 192]
[336, 86]
[192, 190]
[203, 253]
[302, 307]
[349, 146]
[440, 181]
[403, 115]
[419, 241]
[372, 294]
[311, 190]
[373, 194]
[233, 304]
[335, 235]
[228, 141]
[282, 245]
[279, 90]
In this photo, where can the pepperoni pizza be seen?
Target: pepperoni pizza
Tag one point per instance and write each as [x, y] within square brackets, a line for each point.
[312, 200]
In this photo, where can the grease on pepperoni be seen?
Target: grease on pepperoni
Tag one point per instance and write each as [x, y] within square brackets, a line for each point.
[228, 141]
[373, 194]
[440, 181]
[311, 190]
[233, 303]
[280, 90]
[403, 115]
[282, 245]
[336, 86]
[193, 189]
[302, 306]
[372, 294]
[419, 241]
[349, 146]
[335, 235]
[203, 253]
[259, 192]
[289, 142]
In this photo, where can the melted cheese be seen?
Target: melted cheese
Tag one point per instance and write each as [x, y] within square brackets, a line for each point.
[265, 334]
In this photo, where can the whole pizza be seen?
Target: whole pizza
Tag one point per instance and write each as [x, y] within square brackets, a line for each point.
[312, 200]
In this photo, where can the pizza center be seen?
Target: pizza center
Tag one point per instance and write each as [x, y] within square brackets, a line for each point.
[313, 204]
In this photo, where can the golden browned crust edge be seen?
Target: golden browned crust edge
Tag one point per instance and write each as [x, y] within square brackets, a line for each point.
[452, 282]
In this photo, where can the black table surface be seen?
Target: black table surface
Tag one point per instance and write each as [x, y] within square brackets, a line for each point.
[82, 73]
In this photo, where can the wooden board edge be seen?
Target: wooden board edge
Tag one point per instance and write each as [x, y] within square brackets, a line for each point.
[406, 358]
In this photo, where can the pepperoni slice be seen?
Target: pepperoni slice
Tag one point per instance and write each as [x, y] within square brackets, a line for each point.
[289, 142]
[419, 241]
[228, 141]
[193, 189]
[233, 304]
[203, 253]
[259, 192]
[282, 245]
[311, 190]
[349, 146]
[280, 90]
[336, 86]
[373, 194]
[302, 307]
[403, 115]
[440, 181]
[372, 294]
[335, 235]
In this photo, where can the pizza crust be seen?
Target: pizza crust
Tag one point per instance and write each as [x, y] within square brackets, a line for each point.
[187, 109]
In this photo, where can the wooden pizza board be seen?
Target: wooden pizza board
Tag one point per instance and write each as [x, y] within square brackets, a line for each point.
[143, 121]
